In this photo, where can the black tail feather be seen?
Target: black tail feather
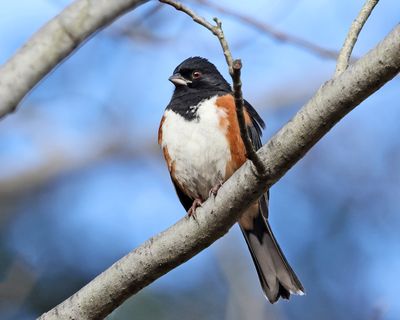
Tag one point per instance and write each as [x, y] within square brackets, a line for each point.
[276, 276]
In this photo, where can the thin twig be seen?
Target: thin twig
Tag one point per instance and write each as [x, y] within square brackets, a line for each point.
[271, 31]
[352, 36]
[235, 74]
[224, 44]
[237, 93]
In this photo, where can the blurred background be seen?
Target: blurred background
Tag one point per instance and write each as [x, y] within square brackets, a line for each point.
[83, 181]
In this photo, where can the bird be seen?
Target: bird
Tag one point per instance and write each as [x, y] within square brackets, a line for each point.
[200, 139]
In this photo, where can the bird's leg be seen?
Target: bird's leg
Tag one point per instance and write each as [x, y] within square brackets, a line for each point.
[214, 190]
[196, 203]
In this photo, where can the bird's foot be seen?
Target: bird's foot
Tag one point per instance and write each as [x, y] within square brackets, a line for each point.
[192, 211]
[214, 190]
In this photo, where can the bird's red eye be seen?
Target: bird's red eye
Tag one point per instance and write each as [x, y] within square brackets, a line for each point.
[196, 74]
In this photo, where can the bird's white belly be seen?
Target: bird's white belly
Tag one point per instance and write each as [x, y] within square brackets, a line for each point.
[198, 148]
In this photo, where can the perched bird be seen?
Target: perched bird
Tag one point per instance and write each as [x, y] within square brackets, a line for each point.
[200, 138]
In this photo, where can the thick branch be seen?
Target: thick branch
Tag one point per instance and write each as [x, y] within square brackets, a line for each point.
[188, 237]
[53, 43]
[234, 70]
[352, 36]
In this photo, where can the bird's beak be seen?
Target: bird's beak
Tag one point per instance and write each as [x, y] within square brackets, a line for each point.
[178, 80]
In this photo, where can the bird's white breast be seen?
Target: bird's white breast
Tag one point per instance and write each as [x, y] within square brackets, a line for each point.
[198, 148]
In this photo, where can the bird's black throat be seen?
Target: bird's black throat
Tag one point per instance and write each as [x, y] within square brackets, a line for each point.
[185, 100]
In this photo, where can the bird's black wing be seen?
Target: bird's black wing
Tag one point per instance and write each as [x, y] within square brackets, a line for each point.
[255, 132]
[183, 198]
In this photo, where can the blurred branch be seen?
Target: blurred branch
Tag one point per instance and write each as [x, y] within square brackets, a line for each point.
[235, 67]
[58, 159]
[52, 43]
[138, 30]
[138, 34]
[187, 237]
[352, 36]
[215, 29]
[148, 14]
[271, 31]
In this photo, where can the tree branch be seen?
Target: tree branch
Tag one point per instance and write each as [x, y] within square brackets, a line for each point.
[187, 237]
[53, 43]
[352, 36]
[235, 67]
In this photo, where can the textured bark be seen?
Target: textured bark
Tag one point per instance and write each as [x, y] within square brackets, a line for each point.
[188, 237]
[53, 43]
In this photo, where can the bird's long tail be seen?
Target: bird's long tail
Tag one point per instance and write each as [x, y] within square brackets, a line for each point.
[276, 276]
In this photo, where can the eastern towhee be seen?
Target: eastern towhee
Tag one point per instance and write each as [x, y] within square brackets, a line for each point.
[200, 138]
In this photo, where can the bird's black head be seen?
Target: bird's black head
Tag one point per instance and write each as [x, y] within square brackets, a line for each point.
[197, 73]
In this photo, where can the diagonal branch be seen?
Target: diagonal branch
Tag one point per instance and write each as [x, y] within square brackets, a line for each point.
[235, 67]
[187, 237]
[352, 36]
[52, 44]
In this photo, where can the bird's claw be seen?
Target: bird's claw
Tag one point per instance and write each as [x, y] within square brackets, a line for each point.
[214, 190]
[192, 211]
